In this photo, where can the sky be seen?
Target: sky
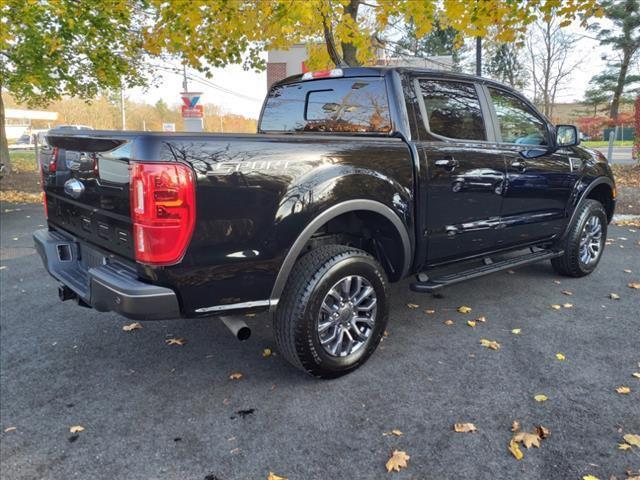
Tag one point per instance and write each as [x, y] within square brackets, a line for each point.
[243, 91]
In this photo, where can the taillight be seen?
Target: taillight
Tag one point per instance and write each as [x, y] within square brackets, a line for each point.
[53, 163]
[163, 210]
[44, 192]
[334, 73]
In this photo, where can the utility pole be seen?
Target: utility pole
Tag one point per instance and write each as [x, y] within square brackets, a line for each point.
[122, 112]
[185, 87]
[479, 56]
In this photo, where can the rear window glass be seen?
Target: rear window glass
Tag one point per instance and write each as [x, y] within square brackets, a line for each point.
[345, 105]
[453, 109]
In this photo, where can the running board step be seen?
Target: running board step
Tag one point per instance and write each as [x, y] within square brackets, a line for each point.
[489, 267]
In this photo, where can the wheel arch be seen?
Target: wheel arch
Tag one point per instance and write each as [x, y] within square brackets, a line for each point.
[601, 189]
[324, 218]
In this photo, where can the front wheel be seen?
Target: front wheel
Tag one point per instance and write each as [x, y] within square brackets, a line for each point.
[333, 312]
[585, 241]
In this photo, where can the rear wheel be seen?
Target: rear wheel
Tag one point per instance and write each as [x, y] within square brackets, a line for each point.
[584, 243]
[333, 311]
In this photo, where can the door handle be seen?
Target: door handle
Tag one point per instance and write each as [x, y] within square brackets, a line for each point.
[519, 165]
[448, 163]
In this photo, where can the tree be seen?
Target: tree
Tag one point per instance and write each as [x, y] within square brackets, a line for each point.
[66, 47]
[595, 97]
[549, 46]
[604, 88]
[624, 39]
[438, 42]
[503, 63]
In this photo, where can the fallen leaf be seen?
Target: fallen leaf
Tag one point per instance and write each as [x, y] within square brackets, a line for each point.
[510, 272]
[589, 477]
[448, 322]
[567, 305]
[614, 296]
[464, 427]
[235, 376]
[556, 307]
[464, 309]
[540, 398]
[132, 326]
[557, 282]
[636, 374]
[515, 450]
[481, 319]
[623, 390]
[3, 267]
[266, 352]
[471, 323]
[560, 356]
[394, 432]
[9, 429]
[385, 333]
[543, 432]
[528, 439]
[175, 341]
[76, 429]
[516, 331]
[567, 292]
[515, 426]
[627, 270]
[249, 315]
[413, 305]
[273, 476]
[491, 344]
[634, 285]
[632, 439]
[397, 461]
[429, 311]
[624, 446]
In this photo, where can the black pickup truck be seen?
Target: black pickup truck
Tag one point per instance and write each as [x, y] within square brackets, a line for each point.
[357, 177]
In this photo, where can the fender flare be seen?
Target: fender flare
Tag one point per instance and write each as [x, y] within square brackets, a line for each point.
[324, 217]
[583, 195]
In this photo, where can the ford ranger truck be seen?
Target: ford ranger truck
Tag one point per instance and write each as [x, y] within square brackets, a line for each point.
[356, 177]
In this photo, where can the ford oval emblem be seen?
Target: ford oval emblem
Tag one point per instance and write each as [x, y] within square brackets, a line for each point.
[73, 187]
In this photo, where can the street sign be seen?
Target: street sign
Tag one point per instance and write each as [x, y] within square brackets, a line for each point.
[192, 113]
[168, 127]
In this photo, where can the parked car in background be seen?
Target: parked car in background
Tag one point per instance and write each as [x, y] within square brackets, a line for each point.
[357, 177]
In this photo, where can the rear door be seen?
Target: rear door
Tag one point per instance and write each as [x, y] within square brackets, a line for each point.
[465, 169]
[539, 183]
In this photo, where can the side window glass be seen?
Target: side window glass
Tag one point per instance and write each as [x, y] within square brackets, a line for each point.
[453, 109]
[518, 123]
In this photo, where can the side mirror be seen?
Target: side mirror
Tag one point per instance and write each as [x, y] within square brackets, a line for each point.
[567, 136]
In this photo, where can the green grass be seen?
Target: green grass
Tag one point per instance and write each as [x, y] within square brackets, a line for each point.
[23, 161]
[602, 143]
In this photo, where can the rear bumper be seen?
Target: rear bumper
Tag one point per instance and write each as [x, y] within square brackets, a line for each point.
[105, 286]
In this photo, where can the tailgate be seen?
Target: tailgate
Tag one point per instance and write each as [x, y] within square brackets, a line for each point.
[87, 191]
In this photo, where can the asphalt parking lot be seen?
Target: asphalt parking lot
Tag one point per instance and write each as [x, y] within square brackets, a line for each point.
[157, 411]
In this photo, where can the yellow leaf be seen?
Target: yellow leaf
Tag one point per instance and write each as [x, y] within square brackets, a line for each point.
[9, 429]
[614, 296]
[132, 326]
[397, 461]
[429, 311]
[634, 285]
[235, 376]
[560, 356]
[413, 305]
[515, 426]
[623, 390]
[464, 427]
[541, 398]
[464, 309]
[567, 292]
[273, 476]
[624, 446]
[589, 477]
[481, 319]
[556, 307]
[528, 439]
[448, 322]
[516, 331]
[175, 341]
[471, 323]
[567, 305]
[543, 432]
[266, 352]
[76, 429]
[491, 344]
[632, 439]
[515, 450]
[394, 432]
[636, 374]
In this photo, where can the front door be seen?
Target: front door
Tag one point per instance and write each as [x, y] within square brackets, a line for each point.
[539, 183]
[465, 170]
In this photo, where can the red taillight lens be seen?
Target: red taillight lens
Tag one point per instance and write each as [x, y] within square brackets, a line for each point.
[53, 163]
[44, 193]
[163, 210]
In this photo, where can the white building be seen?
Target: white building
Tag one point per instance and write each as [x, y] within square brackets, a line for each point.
[18, 121]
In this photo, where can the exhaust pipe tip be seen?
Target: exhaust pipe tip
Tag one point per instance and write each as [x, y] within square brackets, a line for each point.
[237, 327]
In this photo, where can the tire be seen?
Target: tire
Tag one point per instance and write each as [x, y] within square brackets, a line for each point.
[309, 303]
[573, 263]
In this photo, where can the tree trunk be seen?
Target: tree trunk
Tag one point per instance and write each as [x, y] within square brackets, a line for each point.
[617, 93]
[350, 51]
[4, 144]
[330, 43]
